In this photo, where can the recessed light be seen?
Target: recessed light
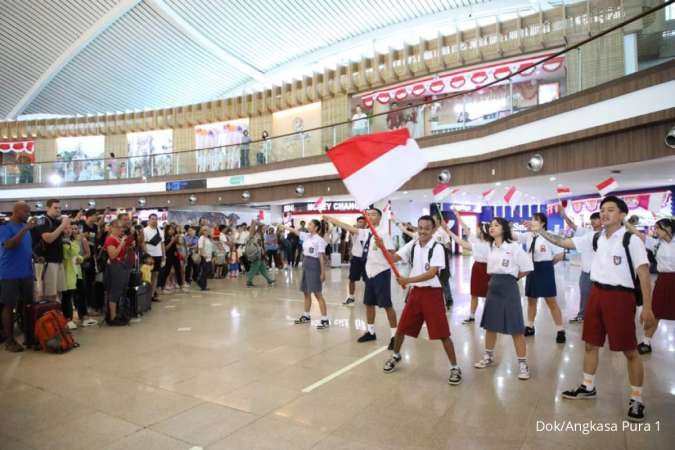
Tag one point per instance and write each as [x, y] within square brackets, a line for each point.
[405, 192]
[552, 179]
[498, 183]
[560, 185]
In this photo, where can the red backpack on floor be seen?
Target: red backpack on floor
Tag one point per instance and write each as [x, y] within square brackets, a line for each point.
[52, 334]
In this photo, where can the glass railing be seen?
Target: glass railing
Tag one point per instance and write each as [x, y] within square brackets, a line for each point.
[625, 46]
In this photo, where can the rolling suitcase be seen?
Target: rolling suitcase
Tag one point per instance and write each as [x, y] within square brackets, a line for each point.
[32, 313]
[139, 299]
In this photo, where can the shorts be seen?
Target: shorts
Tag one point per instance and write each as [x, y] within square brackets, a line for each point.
[54, 278]
[357, 269]
[157, 267]
[424, 304]
[16, 290]
[610, 313]
[378, 290]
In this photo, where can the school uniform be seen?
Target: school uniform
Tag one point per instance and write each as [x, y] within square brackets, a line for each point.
[585, 283]
[425, 299]
[357, 265]
[378, 272]
[503, 312]
[540, 283]
[313, 247]
[663, 298]
[479, 275]
[443, 238]
[611, 305]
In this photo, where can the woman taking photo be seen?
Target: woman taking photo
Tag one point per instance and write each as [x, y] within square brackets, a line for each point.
[313, 271]
[116, 273]
[507, 263]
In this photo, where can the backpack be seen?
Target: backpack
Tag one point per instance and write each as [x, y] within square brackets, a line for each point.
[252, 250]
[444, 275]
[52, 333]
[636, 281]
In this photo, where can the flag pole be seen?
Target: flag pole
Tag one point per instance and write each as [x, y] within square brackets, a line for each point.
[378, 240]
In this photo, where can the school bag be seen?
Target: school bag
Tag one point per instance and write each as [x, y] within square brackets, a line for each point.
[444, 275]
[53, 334]
[252, 250]
[636, 281]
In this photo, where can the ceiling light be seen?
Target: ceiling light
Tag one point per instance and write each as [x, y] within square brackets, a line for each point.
[498, 183]
[552, 179]
[405, 192]
[55, 179]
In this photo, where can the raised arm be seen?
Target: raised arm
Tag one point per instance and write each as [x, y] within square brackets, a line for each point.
[462, 224]
[630, 227]
[340, 224]
[405, 230]
[554, 239]
[566, 218]
[464, 243]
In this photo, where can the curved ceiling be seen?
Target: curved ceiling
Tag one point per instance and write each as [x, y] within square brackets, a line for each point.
[72, 57]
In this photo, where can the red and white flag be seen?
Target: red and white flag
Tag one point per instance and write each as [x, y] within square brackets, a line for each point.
[443, 191]
[564, 191]
[488, 195]
[387, 211]
[261, 215]
[512, 195]
[607, 186]
[320, 204]
[375, 165]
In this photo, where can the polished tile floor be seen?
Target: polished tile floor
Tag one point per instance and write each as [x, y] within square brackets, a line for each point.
[228, 369]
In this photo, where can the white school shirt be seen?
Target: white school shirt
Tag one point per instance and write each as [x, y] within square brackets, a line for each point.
[148, 234]
[358, 239]
[586, 256]
[609, 265]
[421, 263]
[479, 248]
[543, 249]
[312, 245]
[376, 262]
[509, 259]
[441, 236]
[665, 254]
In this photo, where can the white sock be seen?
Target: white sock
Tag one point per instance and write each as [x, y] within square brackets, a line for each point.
[636, 393]
[472, 316]
[351, 296]
[530, 323]
[393, 332]
[454, 366]
[306, 314]
[324, 317]
[589, 381]
[559, 328]
[522, 360]
[371, 328]
[647, 340]
[489, 354]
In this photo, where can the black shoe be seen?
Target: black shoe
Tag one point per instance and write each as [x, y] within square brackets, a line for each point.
[448, 305]
[391, 344]
[390, 364]
[644, 348]
[529, 331]
[348, 302]
[117, 322]
[271, 283]
[323, 325]
[577, 319]
[204, 289]
[560, 338]
[580, 393]
[636, 411]
[303, 319]
[367, 337]
[468, 320]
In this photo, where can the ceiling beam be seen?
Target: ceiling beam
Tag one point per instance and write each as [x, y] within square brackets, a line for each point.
[71, 52]
[195, 35]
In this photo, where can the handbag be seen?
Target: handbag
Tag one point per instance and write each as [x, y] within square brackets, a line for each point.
[156, 239]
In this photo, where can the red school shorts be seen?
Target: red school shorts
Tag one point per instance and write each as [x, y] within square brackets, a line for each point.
[610, 313]
[425, 304]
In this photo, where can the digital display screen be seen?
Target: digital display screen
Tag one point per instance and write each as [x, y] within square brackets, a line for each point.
[182, 185]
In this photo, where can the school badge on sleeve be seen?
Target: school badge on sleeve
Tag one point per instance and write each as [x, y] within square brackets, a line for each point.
[617, 260]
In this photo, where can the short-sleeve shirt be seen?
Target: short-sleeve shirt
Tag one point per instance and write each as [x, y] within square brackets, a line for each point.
[148, 235]
[52, 252]
[664, 253]
[586, 256]
[441, 236]
[112, 240]
[480, 249]
[422, 263]
[609, 265]
[376, 262]
[17, 262]
[508, 259]
[358, 239]
[542, 249]
[312, 244]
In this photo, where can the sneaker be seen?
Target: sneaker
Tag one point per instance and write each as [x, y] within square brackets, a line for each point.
[560, 337]
[13, 346]
[367, 337]
[303, 319]
[391, 344]
[118, 323]
[529, 331]
[89, 322]
[455, 376]
[390, 364]
[348, 302]
[249, 285]
[271, 283]
[577, 319]
[71, 325]
[643, 348]
[523, 371]
[636, 411]
[580, 393]
[485, 362]
[468, 320]
[323, 325]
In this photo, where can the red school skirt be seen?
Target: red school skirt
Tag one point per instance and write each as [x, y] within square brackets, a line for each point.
[479, 279]
[663, 298]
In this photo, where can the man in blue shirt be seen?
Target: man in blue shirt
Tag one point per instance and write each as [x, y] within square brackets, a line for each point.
[16, 268]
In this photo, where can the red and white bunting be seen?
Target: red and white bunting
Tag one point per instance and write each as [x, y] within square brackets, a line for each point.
[401, 94]
[419, 89]
[512, 195]
[488, 195]
[437, 86]
[320, 204]
[17, 147]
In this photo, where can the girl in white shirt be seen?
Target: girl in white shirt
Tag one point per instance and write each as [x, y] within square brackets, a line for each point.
[507, 263]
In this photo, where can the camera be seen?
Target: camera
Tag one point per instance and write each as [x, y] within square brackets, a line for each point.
[670, 138]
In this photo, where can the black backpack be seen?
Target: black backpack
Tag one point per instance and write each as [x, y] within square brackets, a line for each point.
[636, 281]
[444, 274]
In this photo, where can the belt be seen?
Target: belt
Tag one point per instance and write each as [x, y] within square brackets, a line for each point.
[609, 287]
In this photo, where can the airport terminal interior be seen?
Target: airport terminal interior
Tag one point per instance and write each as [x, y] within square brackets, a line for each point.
[374, 224]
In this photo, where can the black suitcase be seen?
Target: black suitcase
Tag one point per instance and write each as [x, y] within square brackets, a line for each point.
[139, 299]
[135, 278]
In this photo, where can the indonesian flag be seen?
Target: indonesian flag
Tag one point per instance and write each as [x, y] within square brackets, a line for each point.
[443, 191]
[512, 195]
[487, 195]
[607, 186]
[261, 215]
[320, 204]
[387, 211]
[376, 165]
[564, 191]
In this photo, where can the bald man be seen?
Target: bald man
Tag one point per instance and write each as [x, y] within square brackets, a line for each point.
[16, 269]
